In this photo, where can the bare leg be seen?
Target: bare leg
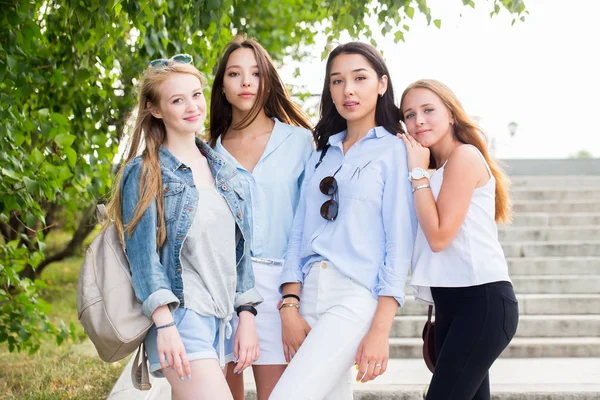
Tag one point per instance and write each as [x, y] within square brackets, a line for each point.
[266, 377]
[207, 382]
[235, 382]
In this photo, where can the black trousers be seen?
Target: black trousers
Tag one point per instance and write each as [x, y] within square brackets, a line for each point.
[473, 325]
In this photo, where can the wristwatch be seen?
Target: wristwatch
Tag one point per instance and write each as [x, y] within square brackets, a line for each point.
[418, 173]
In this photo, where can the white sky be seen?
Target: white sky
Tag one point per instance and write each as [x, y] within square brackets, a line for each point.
[543, 73]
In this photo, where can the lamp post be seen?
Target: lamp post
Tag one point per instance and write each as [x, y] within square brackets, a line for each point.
[512, 128]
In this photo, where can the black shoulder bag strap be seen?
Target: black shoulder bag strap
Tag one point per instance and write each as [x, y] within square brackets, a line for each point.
[322, 156]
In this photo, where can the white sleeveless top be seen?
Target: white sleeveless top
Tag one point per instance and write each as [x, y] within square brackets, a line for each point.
[474, 257]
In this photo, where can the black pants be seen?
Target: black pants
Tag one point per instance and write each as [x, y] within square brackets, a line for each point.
[473, 325]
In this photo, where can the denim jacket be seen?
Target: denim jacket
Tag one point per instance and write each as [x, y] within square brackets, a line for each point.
[156, 272]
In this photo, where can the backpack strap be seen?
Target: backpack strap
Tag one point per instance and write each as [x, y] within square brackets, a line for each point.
[322, 155]
[101, 213]
[139, 371]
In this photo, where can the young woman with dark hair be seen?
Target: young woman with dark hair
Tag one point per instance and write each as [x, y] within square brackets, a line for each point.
[180, 217]
[458, 263]
[256, 126]
[353, 234]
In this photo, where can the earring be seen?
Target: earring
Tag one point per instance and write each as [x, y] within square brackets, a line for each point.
[380, 94]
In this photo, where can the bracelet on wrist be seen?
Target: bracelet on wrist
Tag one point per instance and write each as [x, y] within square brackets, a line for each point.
[251, 309]
[426, 186]
[293, 296]
[166, 325]
[288, 305]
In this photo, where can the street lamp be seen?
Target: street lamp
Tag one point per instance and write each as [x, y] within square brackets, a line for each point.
[512, 128]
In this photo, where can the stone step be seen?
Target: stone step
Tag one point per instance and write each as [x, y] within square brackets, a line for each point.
[558, 206]
[407, 379]
[557, 284]
[555, 181]
[553, 265]
[548, 233]
[553, 193]
[518, 348]
[529, 326]
[574, 248]
[546, 219]
[531, 304]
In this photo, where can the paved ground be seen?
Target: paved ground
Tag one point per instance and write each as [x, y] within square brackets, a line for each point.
[512, 379]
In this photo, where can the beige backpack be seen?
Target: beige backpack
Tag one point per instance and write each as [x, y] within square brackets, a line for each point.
[107, 307]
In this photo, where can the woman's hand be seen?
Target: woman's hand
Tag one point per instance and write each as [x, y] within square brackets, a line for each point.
[372, 356]
[294, 330]
[418, 156]
[171, 352]
[245, 344]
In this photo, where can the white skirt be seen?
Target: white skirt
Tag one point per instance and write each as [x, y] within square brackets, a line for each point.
[267, 274]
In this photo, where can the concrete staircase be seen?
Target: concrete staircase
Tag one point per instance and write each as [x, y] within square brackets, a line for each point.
[553, 252]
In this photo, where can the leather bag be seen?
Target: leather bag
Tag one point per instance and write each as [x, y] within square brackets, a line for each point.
[107, 307]
[429, 341]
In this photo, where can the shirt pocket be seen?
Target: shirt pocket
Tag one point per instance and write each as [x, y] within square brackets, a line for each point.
[172, 196]
[361, 181]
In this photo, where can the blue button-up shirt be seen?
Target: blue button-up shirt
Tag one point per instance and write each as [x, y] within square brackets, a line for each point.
[273, 188]
[372, 238]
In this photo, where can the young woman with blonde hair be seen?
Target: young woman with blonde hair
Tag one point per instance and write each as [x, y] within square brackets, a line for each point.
[458, 263]
[255, 125]
[178, 208]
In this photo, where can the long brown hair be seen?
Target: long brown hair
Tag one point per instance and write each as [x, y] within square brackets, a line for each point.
[466, 131]
[148, 134]
[387, 114]
[271, 95]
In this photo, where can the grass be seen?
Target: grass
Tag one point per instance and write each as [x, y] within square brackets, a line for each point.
[69, 371]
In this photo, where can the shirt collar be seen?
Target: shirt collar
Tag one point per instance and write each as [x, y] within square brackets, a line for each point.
[171, 163]
[338, 138]
[279, 134]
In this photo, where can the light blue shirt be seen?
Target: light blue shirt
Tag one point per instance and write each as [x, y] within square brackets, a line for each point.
[273, 188]
[372, 238]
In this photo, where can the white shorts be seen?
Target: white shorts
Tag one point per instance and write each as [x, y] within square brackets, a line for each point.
[268, 323]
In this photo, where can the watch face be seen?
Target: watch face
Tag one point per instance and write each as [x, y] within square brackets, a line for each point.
[418, 174]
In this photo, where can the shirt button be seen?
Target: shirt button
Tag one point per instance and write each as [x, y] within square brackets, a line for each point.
[224, 187]
[323, 264]
[184, 168]
[239, 214]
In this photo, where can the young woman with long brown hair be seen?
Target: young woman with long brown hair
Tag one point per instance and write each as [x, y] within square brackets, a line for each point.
[255, 125]
[178, 208]
[458, 263]
[352, 239]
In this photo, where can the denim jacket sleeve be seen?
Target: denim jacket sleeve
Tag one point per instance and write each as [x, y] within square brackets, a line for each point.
[245, 291]
[149, 277]
[400, 225]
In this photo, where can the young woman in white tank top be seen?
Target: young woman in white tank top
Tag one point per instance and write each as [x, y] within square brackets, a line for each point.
[458, 263]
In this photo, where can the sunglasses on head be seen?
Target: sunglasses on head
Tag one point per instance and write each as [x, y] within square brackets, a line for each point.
[329, 187]
[178, 58]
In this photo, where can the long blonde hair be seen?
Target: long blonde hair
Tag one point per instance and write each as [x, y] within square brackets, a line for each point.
[149, 132]
[466, 131]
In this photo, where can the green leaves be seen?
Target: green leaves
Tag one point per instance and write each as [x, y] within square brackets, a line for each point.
[66, 90]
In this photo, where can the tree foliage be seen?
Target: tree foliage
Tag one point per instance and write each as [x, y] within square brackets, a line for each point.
[67, 73]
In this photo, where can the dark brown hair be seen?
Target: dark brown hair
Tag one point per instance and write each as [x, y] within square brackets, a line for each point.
[387, 114]
[272, 94]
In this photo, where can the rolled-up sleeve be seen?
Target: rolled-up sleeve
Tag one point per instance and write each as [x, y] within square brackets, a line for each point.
[149, 277]
[400, 226]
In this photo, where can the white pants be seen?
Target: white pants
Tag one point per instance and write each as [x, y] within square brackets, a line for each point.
[339, 311]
